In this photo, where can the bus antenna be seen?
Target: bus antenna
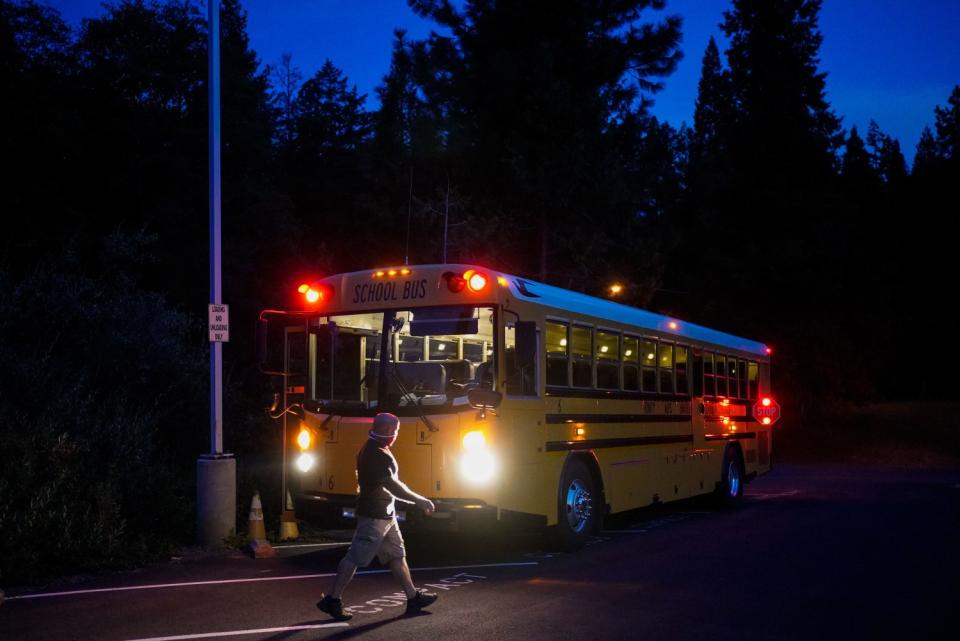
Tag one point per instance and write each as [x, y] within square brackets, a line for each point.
[406, 251]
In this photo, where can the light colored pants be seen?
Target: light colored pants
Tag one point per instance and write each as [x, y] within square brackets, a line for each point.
[376, 537]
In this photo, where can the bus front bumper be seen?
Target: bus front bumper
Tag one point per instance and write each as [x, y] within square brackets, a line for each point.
[450, 515]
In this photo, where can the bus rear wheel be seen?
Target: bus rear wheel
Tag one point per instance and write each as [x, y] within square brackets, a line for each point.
[578, 503]
[730, 491]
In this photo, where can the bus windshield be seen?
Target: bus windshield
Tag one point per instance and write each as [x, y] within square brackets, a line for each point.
[434, 355]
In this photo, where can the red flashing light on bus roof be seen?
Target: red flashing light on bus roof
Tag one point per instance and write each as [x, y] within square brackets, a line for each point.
[315, 293]
[476, 281]
[769, 350]
[455, 282]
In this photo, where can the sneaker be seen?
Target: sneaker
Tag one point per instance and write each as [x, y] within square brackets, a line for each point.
[419, 602]
[333, 607]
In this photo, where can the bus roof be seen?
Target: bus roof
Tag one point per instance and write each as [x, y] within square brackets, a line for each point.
[566, 300]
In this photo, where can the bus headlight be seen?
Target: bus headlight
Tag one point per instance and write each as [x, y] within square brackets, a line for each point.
[473, 441]
[305, 461]
[304, 439]
[477, 463]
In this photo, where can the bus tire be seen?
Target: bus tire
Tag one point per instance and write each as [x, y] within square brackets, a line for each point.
[578, 505]
[729, 492]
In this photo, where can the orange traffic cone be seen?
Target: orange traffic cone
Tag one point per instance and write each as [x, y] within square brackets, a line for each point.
[256, 532]
[288, 522]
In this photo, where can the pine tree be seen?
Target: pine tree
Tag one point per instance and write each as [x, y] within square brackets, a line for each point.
[330, 117]
[927, 155]
[530, 97]
[856, 165]
[886, 157]
[712, 111]
[784, 121]
[948, 127]
[286, 79]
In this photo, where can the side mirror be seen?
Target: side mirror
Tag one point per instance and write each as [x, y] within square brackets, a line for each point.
[484, 399]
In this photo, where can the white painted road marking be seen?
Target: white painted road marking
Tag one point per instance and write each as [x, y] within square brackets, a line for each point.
[236, 633]
[763, 496]
[184, 584]
[395, 599]
[339, 544]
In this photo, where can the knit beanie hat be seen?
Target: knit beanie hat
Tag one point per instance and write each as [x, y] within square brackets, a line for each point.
[385, 426]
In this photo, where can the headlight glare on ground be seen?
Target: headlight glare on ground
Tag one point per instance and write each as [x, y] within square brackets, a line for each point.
[305, 461]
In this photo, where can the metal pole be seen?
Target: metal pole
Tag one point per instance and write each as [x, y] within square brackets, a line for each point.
[216, 347]
[216, 471]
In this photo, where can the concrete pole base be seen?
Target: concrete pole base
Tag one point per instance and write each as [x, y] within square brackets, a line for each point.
[216, 499]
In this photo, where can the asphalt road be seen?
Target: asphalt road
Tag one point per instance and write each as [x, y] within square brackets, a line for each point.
[814, 553]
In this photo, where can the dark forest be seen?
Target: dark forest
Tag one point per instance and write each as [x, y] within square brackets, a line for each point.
[526, 123]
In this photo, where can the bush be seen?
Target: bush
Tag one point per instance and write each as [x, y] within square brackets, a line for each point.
[102, 403]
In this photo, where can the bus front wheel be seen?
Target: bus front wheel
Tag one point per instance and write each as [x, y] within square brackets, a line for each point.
[579, 501]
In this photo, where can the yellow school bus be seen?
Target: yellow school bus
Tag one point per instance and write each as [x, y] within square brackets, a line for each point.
[519, 402]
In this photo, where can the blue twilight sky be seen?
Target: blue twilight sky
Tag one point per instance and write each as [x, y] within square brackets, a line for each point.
[889, 60]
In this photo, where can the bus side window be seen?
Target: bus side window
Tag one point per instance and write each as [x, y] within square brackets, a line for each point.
[753, 377]
[720, 366]
[648, 367]
[608, 360]
[558, 354]
[680, 364]
[582, 356]
[410, 347]
[709, 382]
[520, 356]
[697, 372]
[732, 377]
[631, 364]
[666, 368]
[742, 374]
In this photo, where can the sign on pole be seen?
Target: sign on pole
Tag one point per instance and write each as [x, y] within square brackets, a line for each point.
[219, 323]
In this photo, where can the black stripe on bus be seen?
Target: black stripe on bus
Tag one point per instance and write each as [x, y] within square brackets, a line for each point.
[561, 446]
[574, 392]
[732, 435]
[555, 419]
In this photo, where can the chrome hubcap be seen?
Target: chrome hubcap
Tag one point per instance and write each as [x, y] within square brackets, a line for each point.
[579, 505]
[733, 479]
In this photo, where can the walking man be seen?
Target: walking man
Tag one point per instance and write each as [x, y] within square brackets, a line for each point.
[378, 533]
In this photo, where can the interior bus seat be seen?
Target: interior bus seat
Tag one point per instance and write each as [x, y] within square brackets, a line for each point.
[484, 375]
[429, 376]
[459, 371]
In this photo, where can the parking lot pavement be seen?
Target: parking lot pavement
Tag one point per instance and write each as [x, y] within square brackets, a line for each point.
[814, 552]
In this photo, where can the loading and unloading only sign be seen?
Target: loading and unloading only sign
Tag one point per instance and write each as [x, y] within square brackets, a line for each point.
[218, 323]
